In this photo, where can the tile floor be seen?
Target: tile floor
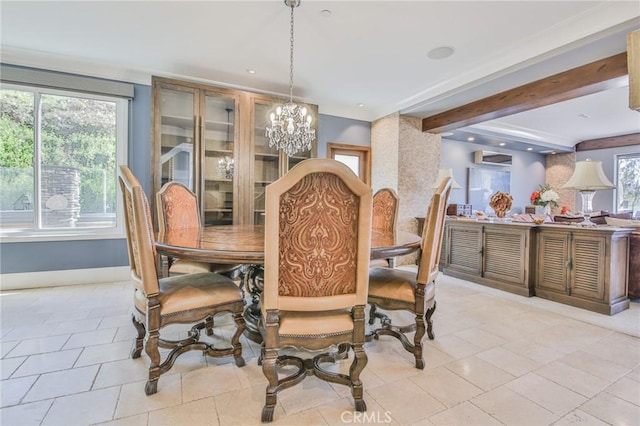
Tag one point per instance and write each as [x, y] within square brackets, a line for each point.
[497, 359]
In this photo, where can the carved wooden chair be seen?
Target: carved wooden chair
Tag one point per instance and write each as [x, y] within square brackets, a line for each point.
[317, 248]
[177, 208]
[182, 299]
[395, 289]
[385, 217]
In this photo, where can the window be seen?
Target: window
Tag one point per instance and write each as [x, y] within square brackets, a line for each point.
[628, 183]
[59, 152]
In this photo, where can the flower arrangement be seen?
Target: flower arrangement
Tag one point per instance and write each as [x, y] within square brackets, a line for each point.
[501, 203]
[545, 196]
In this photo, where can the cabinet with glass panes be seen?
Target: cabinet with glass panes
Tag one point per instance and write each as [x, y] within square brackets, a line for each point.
[268, 162]
[213, 140]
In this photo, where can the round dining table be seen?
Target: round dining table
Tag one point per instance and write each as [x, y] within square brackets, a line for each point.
[244, 244]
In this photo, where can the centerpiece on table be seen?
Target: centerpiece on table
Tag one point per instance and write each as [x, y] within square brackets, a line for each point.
[546, 197]
[501, 203]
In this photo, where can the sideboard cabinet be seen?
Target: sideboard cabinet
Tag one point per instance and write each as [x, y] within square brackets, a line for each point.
[496, 255]
[583, 267]
[212, 139]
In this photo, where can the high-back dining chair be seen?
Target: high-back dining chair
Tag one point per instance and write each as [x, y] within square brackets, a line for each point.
[317, 248]
[182, 299]
[385, 217]
[395, 289]
[177, 208]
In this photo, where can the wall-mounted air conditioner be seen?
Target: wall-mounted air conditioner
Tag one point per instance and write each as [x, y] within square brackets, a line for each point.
[491, 157]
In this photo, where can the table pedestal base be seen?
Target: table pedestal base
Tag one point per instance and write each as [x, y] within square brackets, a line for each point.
[253, 282]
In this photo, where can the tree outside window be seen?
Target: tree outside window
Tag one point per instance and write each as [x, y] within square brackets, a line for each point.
[628, 180]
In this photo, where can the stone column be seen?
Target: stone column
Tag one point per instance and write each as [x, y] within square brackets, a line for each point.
[558, 171]
[406, 159]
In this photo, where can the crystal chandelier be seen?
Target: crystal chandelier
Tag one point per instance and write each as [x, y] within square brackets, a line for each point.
[225, 164]
[290, 128]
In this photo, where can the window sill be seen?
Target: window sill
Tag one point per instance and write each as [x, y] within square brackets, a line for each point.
[27, 236]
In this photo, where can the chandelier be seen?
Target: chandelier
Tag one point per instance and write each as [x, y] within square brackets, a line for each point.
[290, 129]
[225, 164]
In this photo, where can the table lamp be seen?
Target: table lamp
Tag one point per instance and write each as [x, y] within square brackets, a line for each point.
[443, 173]
[587, 178]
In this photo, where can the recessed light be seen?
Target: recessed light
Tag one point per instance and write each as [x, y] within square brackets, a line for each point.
[502, 144]
[529, 149]
[445, 134]
[251, 71]
[441, 52]
[360, 104]
[584, 116]
[326, 13]
[471, 138]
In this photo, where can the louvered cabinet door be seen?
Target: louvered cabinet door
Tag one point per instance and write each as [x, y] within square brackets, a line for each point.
[465, 249]
[588, 266]
[505, 254]
[553, 257]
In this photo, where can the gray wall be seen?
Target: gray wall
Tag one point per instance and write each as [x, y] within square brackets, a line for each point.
[82, 254]
[527, 171]
[342, 130]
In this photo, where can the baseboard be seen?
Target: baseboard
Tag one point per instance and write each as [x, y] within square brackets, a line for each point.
[26, 280]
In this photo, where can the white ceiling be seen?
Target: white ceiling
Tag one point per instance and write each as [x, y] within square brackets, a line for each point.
[370, 52]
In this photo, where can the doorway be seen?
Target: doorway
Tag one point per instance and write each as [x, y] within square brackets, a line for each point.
[356, 157]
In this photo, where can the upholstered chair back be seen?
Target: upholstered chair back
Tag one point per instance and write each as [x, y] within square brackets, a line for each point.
[432, 233]
[178, 207]
[317, 238]
[385, 210]
[141, 242]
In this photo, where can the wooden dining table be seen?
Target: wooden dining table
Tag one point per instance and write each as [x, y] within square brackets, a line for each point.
[244, 244]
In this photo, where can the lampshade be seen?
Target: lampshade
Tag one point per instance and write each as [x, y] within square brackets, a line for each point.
[588, 176]
[443, 173]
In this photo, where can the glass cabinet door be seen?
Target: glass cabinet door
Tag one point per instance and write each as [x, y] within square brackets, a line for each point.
[266, 161]
[218, 159]
[177, 136]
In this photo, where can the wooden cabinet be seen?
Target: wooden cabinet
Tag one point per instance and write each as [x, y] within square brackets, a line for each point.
[268, 164]
[583, 267]
[496, 255]
[213, 140]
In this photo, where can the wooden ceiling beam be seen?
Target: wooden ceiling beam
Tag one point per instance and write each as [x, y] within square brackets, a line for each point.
[610, 142]
[597, 76]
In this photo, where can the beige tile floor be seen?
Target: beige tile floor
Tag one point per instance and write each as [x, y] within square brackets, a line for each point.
[497, 359]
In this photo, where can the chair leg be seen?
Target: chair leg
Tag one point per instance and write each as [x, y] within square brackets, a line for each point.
[372, 314]
[235, 340]
[359, 362]
[427, 317]
[208, 325]
[269, 364]
[154, 369]
[417, 342]
[151, 346]
[139, 342]
[261, 356]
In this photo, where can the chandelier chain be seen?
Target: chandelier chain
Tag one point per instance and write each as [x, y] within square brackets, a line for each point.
[290, 124]
[291, 56]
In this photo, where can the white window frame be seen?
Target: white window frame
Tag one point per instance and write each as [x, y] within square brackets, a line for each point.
[122, 144]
